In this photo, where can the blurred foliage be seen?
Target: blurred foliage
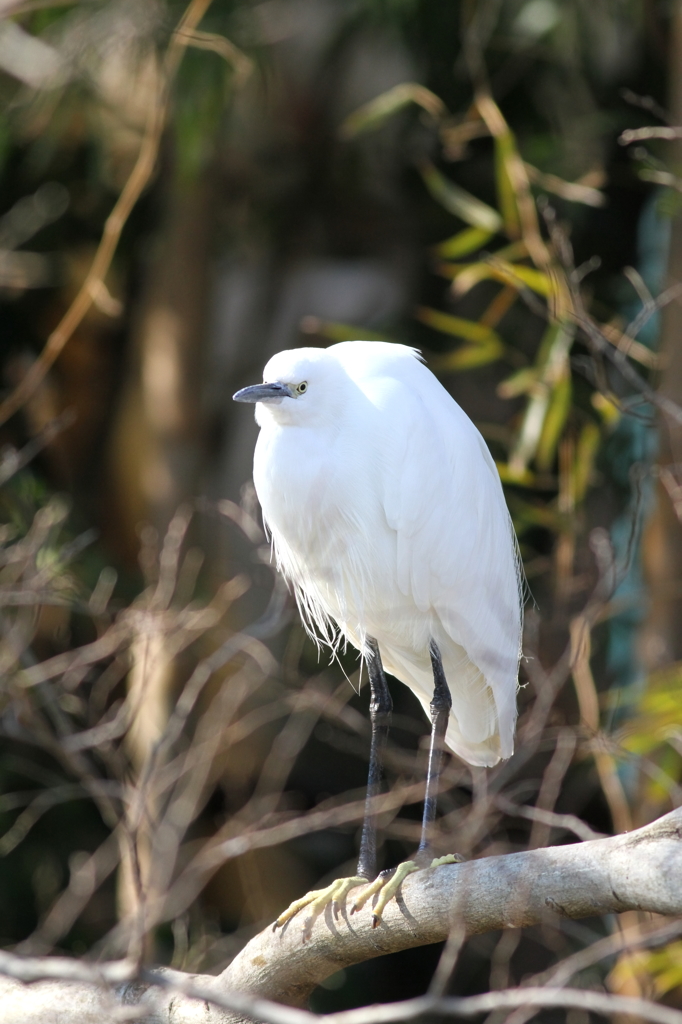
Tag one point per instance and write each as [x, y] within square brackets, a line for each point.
[552, 415]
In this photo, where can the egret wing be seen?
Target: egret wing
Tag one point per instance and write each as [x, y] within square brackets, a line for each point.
[456, 552]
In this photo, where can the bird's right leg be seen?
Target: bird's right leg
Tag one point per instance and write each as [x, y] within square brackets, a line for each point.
[387, 883]
[380, 711]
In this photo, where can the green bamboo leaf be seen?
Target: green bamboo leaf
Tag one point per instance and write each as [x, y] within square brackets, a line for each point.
[464, 243]
[522, 275]
[548, 343]
[554, 422]
[466, 275]
[552, 366]
[669, 977]
[660, 711]
[470, 330]
[458, 201]
[607, 409]
[468, 357]
[373, 114]
[505, 147]
[662, 967]
[585, 455]
[522, 478]
[528, 514]
[520, 383]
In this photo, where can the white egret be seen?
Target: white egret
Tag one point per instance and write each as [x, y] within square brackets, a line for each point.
[388, 519]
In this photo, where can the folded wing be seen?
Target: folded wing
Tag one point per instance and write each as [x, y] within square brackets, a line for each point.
[456, 558]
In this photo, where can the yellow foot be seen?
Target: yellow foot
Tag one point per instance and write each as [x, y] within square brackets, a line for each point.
[449, 858]
[388, 883]
[318, 900]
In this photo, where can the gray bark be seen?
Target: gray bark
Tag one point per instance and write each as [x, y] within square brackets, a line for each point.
[640, 870]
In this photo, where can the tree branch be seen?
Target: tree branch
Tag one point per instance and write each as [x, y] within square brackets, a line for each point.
[640, 870]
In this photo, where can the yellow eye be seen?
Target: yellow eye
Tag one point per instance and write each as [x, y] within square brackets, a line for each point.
[302, 387]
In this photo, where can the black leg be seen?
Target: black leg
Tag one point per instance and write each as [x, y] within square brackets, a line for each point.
[380, 710]
[440, 713]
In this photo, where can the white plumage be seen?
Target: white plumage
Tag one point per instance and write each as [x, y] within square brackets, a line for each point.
[387, 516]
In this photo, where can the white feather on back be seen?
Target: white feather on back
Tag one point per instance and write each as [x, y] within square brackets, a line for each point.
[393, 524]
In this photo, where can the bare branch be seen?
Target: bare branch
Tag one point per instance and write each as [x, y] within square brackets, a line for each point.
[650, 132]
[639, 870]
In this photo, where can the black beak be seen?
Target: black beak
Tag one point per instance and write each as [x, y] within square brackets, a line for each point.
[263, 393]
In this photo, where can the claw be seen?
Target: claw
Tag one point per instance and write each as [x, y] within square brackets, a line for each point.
[369, 890]
[343, 887]
[318, 900]
[449, 858]
[391, 887]
[387, 885]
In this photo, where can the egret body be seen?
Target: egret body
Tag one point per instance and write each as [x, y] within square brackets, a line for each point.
[388, 519]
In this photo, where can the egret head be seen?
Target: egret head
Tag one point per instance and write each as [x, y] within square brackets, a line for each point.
[299, 386]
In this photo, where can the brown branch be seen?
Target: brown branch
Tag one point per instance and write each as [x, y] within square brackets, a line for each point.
[573, 191]
[640, 870]
[243, 65]
[653, 132]
[201, 998]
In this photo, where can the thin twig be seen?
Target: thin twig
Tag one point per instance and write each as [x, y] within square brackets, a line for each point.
[650, 132]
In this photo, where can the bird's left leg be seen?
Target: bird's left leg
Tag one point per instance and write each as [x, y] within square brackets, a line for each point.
[380, 711]
[388, 883]
[441, 705]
